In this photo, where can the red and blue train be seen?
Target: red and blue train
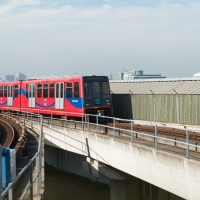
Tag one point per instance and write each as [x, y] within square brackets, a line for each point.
[73, 96]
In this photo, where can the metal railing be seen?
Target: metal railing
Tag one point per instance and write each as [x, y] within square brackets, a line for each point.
[30, 180]
[95, 123]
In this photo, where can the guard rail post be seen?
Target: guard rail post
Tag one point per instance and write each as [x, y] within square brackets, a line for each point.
[1, 149]
[32, 120]
[38, 173]
[131, 130]
[31, 180]
[24, 118]
[18, 115]
[155, 137]
[82, 121]
[88, 148]
[88, 121]
[27, 115]
[114, 125]
[7, 114]
[66, 121]
[51, 119]
[97, 122]
[40, 153]
[187, 142]
[10, 193]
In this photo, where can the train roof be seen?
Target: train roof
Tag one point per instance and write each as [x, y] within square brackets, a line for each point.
[71, 78]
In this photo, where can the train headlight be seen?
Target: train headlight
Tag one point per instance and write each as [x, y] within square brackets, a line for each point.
[100, 112]
[108, 102]
[87, 103]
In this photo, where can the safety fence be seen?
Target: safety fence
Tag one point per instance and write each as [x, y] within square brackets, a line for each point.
[184, 144]
[29, 182]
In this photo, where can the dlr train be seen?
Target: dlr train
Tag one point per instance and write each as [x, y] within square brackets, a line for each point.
[72, 96]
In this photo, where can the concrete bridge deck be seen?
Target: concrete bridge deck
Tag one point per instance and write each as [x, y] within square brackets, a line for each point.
[167, 170]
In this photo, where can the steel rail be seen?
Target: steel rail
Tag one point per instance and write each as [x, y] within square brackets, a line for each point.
[9, 131]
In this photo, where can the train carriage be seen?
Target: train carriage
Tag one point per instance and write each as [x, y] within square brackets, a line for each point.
[53, 96]
[71, 96]
[9, 95]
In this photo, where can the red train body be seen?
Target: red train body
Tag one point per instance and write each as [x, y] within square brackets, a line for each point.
[73, 96]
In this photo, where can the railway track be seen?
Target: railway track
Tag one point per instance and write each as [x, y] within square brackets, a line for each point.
[165, 131]
[12, 134]
[7, 133]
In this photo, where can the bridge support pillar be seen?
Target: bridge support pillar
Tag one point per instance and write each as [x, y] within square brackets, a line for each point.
[125, 190]
[117, 190]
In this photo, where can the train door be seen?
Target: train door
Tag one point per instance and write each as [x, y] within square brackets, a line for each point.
[10, 95]
[31, 95]
[59, 96]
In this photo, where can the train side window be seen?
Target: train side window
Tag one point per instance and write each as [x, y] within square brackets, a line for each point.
[8, 92]
[39, 91]
[27, 90]
[69, 90]
[16, 91]
[45, 91]
[57, 90]
[5, 90]
[11, 91]
[52, 91]
[76, 90]
[33, 90]
[1, 91]
[61, 90]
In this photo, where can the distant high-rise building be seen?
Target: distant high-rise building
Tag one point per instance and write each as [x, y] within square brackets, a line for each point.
[16, 77]
[10, 78]
[132, 75]
[20, 76]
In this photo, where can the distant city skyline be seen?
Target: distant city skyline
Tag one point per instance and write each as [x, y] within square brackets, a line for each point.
[14, 77]
[134, 75]
[66, 37]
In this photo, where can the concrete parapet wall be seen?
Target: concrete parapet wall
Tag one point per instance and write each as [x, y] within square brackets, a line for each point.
[170, 172]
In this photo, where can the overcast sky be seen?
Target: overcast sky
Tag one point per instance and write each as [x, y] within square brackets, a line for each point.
[65, 37]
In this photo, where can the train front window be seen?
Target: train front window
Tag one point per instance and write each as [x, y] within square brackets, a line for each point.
[96, 89]
[105, 89]
[87, 90]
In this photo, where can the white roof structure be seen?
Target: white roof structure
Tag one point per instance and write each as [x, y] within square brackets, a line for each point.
[162, 86]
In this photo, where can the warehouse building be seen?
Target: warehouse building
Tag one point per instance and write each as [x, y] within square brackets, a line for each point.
[164, 100]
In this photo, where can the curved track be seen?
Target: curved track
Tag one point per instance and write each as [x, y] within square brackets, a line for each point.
[7, 133]
[12, 133]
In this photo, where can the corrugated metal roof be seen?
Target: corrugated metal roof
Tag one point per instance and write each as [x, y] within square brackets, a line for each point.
[167, 86]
